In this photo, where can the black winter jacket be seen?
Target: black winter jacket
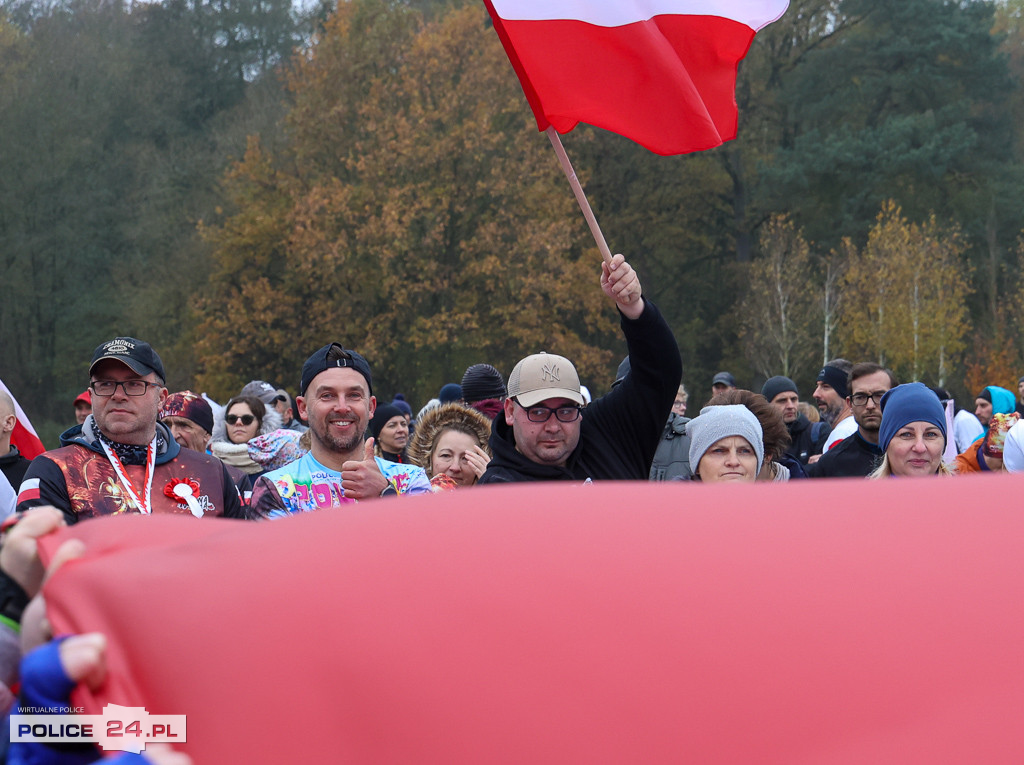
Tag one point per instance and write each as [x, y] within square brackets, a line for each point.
[803, 433]
[619, 432]
[13, 465]
[851, 457]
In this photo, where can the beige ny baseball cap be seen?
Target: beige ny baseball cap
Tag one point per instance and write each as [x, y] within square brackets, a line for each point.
[543, 376]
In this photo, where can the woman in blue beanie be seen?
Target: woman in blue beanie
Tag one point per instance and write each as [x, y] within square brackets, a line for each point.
[912, 433]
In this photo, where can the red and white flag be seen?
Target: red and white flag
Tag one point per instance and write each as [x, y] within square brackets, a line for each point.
[24, 435]
[660, 72]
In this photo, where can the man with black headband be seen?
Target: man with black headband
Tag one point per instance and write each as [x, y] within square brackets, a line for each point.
[337, 401]
[858, 455]
[121, 460]
[832, 397]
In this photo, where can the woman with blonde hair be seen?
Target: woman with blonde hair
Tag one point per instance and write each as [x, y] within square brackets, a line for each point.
[912, 433]
[450, 443]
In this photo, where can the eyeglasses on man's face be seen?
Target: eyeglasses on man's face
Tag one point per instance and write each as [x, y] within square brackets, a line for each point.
[107, 388]
[860, 399]
[539, 413]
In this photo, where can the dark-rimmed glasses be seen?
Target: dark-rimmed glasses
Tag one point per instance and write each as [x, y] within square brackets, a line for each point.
[246, 419]
[539, 413]
[860, 399]
[107, 388]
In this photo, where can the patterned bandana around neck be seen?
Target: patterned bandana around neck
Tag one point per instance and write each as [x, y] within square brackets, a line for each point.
[133, 454]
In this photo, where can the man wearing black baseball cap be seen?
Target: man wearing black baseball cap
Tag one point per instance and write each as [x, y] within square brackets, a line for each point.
[722, 382]
[121, 459]
[337, 401]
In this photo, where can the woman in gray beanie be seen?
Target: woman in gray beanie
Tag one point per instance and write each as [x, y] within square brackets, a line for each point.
[726, 445]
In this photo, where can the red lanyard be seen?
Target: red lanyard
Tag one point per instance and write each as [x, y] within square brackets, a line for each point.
[144, 505]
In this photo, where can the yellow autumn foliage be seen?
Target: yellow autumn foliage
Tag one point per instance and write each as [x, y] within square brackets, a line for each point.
[905, 297]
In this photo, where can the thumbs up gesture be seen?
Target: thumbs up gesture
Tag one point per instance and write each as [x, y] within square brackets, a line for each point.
[362, 479]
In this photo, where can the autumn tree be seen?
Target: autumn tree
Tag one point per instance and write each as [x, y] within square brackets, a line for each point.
[118, 121]
[415, 214]
[906, 297]
[997, 356]
[779, 310]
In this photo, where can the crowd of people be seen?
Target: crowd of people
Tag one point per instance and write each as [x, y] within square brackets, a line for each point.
[263, 454]
[138, 448]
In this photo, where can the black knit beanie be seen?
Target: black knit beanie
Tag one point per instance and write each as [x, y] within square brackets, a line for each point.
[482, 381]
[381, 416]
[776, 385]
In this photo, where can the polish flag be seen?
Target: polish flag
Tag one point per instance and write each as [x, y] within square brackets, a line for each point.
[660, 72]
[24, 435]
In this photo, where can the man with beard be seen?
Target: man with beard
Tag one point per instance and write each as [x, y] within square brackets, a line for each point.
[832, 397]
[337, 401]
[858, 455]
[807, 438]
[993, 400]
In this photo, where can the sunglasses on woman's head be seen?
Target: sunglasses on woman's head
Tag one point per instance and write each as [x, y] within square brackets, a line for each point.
[245, 418]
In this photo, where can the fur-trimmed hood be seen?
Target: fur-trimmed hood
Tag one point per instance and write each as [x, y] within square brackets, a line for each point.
[432, 423]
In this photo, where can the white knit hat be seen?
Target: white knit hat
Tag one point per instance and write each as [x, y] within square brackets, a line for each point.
[718, 422]
[1013, 449]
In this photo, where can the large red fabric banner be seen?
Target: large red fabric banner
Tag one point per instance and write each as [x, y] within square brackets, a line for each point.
[849, 623]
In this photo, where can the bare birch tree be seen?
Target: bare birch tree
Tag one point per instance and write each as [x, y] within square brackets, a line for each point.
[779, 308]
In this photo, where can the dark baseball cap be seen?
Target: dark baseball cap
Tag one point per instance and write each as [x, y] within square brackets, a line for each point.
[724, 378]
[330, 356]
[262, 390]
[134, 354]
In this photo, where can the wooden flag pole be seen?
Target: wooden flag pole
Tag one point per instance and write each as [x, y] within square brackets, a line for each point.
[563, 160]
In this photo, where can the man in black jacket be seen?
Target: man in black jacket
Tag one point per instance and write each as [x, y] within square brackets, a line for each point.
[807, 438]
[544, 434]
[858, 455]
